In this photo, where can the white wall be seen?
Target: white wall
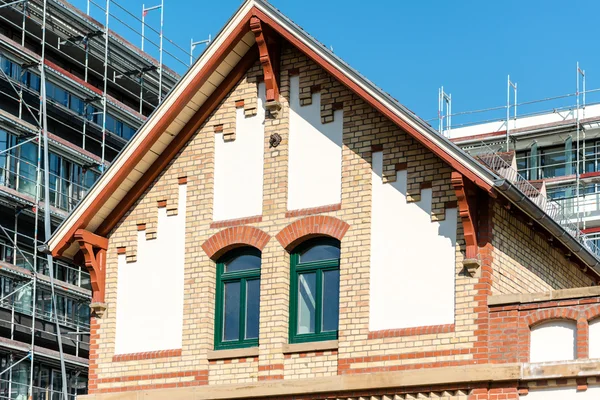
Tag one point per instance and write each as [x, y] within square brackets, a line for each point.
[315, 154]
[594, 338]
[412, 258]
[239, 166]
[150, 290]
[553, 341]
[592, 393]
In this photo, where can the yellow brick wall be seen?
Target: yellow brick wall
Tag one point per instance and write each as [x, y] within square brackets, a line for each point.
[526, 262]
[310, 365]
[237, 370]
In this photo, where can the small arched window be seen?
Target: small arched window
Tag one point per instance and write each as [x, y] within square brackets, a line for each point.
[238, 299]
[315, 290]
[553, 341]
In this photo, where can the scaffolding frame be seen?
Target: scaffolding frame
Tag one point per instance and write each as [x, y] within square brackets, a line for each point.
[89, 43]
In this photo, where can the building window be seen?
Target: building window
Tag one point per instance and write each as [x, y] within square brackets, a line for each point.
[315, 291]
[553, 341]
[238, 299]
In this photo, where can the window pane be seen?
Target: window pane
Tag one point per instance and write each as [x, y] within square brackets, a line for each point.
[331, 300]
[231, 320]
[252, 308]
[307, 289]
[243, 262]
[320, 252]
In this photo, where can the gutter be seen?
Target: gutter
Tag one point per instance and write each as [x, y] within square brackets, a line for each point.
[517, 197]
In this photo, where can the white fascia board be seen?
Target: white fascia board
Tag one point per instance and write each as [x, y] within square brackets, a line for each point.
[152, 120]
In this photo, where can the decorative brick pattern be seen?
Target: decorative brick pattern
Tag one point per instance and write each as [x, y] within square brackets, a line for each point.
[223, 241]
[509, 335]
[311, 226]
[147, 355]
[421, 330]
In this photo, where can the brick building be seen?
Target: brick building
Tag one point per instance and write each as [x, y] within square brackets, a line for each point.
[282, 228]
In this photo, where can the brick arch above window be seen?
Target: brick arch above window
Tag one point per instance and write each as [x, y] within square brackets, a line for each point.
[592, 314]
[308, 227]
[547, 315]
[230, 238]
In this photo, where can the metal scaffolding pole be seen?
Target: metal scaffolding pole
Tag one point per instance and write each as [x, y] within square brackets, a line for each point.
[104, 97]
[193, 46]
[160, 46]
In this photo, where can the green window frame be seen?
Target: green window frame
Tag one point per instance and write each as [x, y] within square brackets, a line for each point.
[319, 275]
[237, 305]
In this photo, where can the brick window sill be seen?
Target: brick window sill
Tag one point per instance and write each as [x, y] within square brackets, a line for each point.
[232, 353]
[310, 347]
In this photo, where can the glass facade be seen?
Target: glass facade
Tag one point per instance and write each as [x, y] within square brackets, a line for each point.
[60, 96]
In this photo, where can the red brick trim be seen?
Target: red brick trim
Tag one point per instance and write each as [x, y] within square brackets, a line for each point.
[182, 180]
[148, 355]
[312, 226]
[549, 314]
[227, 239]
[421, 330]
[270, 377]
[161, 203]
[239, 103]
[219, 128]
[141, 227]
[230, 360]
[269, 367]
[235, 222]
[315, 210]
[200, 378]
[401, 166]
[121, 250]
[345, 364]
[311, 354]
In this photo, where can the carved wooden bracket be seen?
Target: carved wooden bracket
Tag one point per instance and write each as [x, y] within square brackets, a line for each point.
[269, 59]
[93, 248]
[467, 210]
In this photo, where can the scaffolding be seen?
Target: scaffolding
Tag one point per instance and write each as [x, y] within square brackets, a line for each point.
[556, 150]
[103, 60]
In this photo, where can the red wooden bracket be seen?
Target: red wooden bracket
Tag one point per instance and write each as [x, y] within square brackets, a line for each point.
[467, 210]
[268, 58]
[93, 248]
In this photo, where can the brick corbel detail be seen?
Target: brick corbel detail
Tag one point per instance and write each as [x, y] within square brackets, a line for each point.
[93, 248]
[269, 60]
[466, 197]
[308, 227]
[227, 239]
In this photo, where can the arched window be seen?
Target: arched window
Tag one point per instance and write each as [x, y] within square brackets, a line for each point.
[238, 299]
[553, 341]
[315, 290]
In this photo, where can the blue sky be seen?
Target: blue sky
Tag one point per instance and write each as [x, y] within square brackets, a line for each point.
[411, 48]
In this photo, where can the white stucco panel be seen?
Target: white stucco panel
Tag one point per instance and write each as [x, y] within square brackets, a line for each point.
[315, 154]
[238, 179]
[594, 338]
[553, 341]
[592, 393]
[150, 290]
[413, 259]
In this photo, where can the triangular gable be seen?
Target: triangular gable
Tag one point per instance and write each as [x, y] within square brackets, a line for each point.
[193, 99]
